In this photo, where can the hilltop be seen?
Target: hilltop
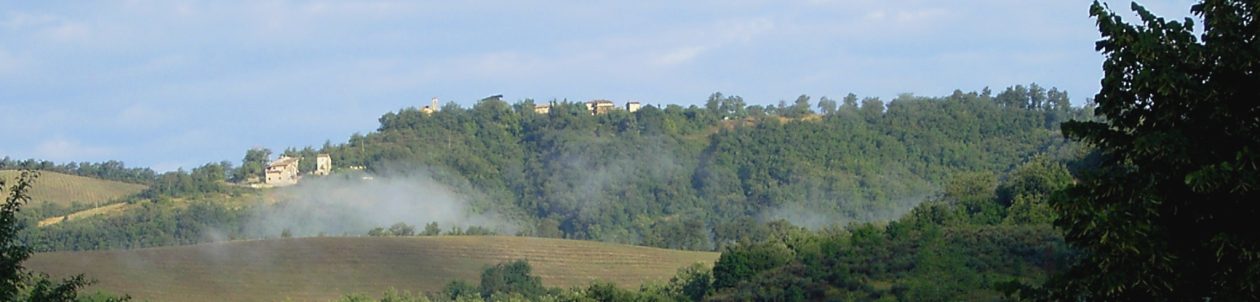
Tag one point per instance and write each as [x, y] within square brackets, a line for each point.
[311, 269]
[696, 178]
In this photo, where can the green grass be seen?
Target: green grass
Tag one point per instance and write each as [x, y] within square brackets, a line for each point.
[64, 189]
[321, 269]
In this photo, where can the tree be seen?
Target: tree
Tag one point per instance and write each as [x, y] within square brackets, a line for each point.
[692, 282]
[510, 277]
[734, 106]
[872, 108]
[1013, 97]
[1168, 211]
[12, 252]
[254, 164]
[15, 282]
[714, 103]
[975, 194]
[432, 229]
[850, 103]
[800, 107]
[826, 105]
[402, 229]
[1036, 97]
[741, 263]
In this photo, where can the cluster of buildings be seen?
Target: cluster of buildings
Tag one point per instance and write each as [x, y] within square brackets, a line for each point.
[596, 107]
[284, 170]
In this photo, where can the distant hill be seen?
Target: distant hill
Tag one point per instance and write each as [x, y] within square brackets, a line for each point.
[320, 269]
[65, 189]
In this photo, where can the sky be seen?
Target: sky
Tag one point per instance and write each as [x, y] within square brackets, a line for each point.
[176, 84]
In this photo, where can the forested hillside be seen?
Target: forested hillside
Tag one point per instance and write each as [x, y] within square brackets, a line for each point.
[700, 177]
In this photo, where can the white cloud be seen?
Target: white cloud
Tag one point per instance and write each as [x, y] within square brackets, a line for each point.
[679, 56]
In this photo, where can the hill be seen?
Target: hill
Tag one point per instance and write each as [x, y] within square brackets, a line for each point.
[65, 189]
[312, 269]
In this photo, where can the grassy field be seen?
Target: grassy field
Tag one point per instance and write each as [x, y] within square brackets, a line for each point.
[321, 269]
[64, 189]
[101, 210]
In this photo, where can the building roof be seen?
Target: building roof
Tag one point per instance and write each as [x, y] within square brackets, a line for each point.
[283, 161]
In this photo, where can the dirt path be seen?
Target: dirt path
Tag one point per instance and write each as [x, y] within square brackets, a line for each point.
[105, 209]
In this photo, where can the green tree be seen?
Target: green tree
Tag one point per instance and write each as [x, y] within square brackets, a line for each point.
[826, 106]
[800, 107]
[714, 103]
[512, 277]
[1168, 212]
[402, 229]
[741, 263]
[431, 229]
[15, 283]
[850, 104]
[975, 194]
[692, 282]
[254, 164]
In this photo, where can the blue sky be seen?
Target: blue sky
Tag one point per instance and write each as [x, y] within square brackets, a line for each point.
[169, 84]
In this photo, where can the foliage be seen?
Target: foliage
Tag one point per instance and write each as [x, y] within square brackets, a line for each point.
[943, 250]
[15, 282]
[669, 176]
[206, 179]
[389, 296]
[513, 277]
[1165, 214]
[110, 170]
[742, 263]
[254, 165]
[149, 224]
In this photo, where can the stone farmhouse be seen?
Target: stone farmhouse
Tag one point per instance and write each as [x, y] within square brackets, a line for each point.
[282, 172]
[597, 107]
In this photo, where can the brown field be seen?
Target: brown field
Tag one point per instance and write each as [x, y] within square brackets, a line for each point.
[322, 269]
[64, 189]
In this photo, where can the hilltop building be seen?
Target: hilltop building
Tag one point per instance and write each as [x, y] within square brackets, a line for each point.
[633, 106]
[282, 172]
[323, 165]
[600, 106]
[432, 107]
[542, 109]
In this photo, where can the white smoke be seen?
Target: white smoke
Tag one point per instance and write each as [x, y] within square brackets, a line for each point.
[352, 204]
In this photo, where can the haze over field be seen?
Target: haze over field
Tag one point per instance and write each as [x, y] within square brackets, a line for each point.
[188, 82]
[349, 205]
